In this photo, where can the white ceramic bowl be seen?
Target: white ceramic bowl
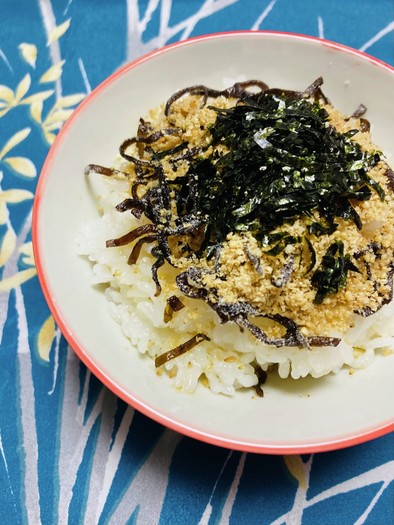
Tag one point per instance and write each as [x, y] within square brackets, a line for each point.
[294, 416]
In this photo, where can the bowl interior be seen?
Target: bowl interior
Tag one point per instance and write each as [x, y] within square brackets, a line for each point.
[293, 416]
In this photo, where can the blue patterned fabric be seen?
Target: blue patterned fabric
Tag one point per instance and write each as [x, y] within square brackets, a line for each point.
[70, 451]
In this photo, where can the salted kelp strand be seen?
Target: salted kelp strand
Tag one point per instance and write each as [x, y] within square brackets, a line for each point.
[180, 350]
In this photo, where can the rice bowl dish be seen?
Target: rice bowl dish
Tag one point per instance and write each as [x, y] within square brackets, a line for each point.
[329, 412]
[305, 327]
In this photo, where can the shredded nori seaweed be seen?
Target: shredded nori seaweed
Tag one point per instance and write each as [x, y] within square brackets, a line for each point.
[331, 276]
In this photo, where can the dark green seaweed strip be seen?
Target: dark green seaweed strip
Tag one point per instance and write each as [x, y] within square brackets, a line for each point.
[331, 275]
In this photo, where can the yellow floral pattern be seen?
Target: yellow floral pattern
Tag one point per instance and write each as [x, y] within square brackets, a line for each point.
[47, 110]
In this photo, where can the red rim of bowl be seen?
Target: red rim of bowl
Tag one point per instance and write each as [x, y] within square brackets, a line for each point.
[332, 444]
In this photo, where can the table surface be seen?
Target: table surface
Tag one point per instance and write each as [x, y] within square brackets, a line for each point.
[70, 451]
